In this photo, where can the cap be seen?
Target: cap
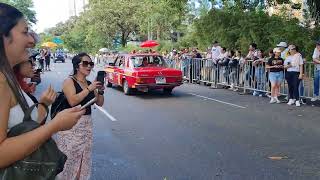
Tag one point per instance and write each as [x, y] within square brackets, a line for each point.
[282, 44]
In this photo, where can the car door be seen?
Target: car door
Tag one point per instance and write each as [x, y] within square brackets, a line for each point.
[118, 70]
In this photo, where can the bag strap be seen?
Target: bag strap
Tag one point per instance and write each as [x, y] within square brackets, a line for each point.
[27, 116]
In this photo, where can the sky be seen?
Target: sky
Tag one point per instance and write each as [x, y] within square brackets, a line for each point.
[49, 13]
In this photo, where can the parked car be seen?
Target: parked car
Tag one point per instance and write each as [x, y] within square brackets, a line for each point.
[142, 72]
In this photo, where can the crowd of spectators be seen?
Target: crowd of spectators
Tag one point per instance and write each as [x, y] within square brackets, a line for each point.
[262, 71]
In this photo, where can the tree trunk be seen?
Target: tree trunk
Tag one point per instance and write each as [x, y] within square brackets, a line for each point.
[158, 32]
[123, 39]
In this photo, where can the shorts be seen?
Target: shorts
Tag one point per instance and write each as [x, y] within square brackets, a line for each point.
[276, 77]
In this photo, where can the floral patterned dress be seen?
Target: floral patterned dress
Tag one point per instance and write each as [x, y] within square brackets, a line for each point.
[76, 143]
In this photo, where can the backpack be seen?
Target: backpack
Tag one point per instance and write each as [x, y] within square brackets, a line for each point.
[45, 163]
[59, 104]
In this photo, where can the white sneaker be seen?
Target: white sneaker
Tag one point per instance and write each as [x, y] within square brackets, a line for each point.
[277, 100]
[273, 100]
[298, 104]
[315, 98]
[291, 102]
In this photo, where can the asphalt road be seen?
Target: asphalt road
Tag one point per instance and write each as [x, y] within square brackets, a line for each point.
[199, 134]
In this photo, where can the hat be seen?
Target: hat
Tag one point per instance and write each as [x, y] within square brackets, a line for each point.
[282, 44]
[277, 50]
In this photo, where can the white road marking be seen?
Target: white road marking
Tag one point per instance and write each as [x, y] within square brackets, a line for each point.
[216, 100]
[106, 113]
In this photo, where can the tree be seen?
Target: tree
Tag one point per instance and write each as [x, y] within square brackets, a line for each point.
[25, 6]
[314, 8]
[115, 17]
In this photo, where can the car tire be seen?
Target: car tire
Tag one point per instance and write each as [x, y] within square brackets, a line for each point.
[109, 84]
[167, 90]
[126, 89]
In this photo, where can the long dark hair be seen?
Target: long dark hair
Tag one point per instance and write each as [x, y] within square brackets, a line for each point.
[9, 17]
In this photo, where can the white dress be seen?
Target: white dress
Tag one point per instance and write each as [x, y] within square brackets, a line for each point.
[16, 113]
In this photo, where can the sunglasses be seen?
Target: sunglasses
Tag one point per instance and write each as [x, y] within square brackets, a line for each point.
[87, 63]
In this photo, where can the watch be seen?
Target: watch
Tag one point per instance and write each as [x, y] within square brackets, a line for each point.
[100, 92]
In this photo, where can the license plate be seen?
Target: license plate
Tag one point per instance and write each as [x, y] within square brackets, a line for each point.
[160, 80]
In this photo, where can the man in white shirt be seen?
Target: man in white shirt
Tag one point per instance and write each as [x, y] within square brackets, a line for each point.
[316, 61]
[215, 51]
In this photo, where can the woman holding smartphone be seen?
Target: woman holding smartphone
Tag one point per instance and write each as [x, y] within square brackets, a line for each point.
[76, 143]
[275, 67]
[15, 40]
[294, 66]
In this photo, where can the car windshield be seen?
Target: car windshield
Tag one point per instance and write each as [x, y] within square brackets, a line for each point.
[148, 61]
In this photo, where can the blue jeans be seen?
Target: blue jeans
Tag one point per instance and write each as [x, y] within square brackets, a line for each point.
[316, 82]
[301, 88]
[260, 80]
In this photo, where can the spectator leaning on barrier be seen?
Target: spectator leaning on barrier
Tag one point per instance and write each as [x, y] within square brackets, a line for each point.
[234, 70]
[215, 51]
[249, 70]
[294, 74]
[259, 75]
[275, 66]
[316, 61]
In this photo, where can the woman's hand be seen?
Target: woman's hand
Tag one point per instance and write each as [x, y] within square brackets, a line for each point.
[300, 76]
[94, 85]
[48, 96]
[67, 118]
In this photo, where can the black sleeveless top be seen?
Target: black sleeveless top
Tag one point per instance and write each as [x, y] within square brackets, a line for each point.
[87, 98]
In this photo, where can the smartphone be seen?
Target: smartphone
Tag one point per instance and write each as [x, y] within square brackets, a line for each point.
[101, 76]
[89, 103]
[39, 70]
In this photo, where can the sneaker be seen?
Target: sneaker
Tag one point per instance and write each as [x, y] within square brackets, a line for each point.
[255, 93]
[273, 100]
[291, 102]
[286, 98]
[302, 102]
[298, 103]
[235, 89]
[260, 95]
[315, 98]
[277, 100]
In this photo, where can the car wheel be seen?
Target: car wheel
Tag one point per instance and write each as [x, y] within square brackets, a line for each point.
[126, 89]
[109, 84]
[167, 90]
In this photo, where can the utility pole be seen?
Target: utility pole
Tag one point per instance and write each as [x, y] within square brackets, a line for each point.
[75, 7]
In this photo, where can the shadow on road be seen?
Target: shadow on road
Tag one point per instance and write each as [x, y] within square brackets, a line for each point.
[153, 94]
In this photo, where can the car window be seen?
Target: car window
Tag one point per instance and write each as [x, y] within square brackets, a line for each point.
[147, 61]
[119, 62]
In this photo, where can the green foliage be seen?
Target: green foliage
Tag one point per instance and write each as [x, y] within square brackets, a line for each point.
[25, 6]
[236, 29]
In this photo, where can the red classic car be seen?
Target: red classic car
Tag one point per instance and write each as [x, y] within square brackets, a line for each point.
[142, 72]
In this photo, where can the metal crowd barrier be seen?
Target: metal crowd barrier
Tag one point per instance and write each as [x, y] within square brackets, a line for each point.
[246, 76]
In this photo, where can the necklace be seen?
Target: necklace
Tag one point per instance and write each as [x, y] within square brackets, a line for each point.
[80, 81]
